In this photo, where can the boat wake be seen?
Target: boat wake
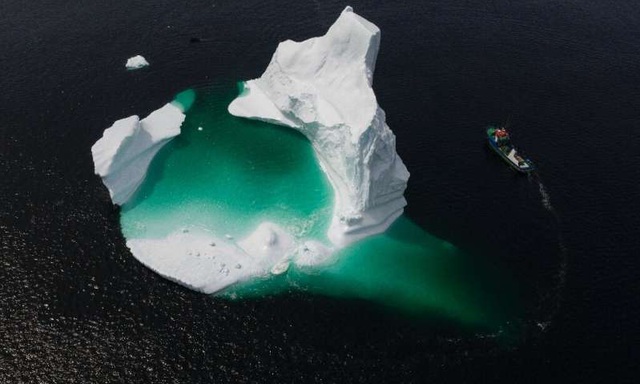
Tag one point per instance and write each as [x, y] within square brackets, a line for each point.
[546, 201]
[551, 304]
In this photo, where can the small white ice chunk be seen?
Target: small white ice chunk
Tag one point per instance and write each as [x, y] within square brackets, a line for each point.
[312, 254]
[136, 62]
[269, 243]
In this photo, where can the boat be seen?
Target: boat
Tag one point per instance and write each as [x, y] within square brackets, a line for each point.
[500, 141]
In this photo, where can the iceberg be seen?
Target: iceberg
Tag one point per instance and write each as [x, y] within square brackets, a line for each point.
[323, 88]
[136, 62]
[123, 154]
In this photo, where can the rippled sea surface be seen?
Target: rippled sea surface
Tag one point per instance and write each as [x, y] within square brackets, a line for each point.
[75, 306]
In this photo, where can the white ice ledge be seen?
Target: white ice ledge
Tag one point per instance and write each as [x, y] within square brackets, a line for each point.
[323, 87]
[208, 263]
[123, 154]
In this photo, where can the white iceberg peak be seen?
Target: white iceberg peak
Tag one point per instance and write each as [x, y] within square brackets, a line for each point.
[322, 87]
[136, 62]
[123, 154]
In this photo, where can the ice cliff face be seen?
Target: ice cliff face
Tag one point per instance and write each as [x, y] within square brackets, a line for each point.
[123, 154]
[322, 87]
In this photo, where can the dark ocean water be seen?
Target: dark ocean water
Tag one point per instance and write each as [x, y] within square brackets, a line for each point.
[75, 306]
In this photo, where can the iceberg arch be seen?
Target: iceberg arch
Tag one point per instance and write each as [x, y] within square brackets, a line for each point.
[323, 88]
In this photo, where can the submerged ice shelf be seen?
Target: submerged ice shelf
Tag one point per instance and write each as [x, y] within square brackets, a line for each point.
[323, 88]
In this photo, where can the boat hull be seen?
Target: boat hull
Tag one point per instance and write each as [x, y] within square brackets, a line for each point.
[511, 156]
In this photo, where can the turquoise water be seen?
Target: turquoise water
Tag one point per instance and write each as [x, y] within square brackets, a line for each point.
[225, 175]
[185, 99]
[409, 270]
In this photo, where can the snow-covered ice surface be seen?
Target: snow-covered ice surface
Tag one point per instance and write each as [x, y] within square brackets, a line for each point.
[136, 62]
[123, 154]
[323, 87]
[208, 263]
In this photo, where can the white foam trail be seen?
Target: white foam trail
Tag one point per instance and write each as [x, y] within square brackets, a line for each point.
[561, 273]
[545, 198]
[546, 201]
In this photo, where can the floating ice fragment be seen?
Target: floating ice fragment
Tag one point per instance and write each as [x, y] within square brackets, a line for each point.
[280, 268]
[312, 253]
[136, 62]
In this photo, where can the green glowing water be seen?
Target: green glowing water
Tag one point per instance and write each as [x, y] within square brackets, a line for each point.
[226, 175]
[235, 173]
[185, 99]
[407, 269]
